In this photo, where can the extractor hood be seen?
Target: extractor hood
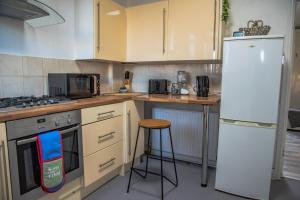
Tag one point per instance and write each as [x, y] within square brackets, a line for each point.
[33, 12]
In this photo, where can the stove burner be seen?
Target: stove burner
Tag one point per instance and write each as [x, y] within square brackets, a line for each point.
[23, 102]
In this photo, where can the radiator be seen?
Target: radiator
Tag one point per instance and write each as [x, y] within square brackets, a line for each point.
[186, 134]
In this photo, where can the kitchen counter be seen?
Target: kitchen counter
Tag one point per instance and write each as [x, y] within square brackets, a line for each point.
[62, 107]
[104, 100]
[183, 99]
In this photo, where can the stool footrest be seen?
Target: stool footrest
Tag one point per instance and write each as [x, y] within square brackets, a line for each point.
[137, 171]
[155, 157]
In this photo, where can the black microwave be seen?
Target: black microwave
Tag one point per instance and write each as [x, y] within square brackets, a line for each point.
[74, 86]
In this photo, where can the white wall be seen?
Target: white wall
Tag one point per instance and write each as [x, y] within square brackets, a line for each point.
[84, 29]
[273, 12]
[55, 41]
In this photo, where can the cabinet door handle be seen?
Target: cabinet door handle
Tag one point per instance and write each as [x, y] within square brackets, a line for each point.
[98, 31]
[107, 163]
[164, 30]
[4, 170]
[105, 115]
[106, 136]
[215, 29]
[129, 132]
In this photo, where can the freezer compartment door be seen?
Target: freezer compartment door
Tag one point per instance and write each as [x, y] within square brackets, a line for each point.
[245, 158]
[251, 79]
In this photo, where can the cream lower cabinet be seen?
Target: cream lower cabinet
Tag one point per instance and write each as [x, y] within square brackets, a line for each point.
[146, 32]
[102, 136]
[100, 30]
[192, 29]
[5, 190]
[134, 111]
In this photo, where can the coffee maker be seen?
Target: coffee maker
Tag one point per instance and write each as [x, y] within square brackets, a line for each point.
[202, 86]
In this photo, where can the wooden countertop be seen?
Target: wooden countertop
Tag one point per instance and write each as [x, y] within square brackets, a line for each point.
[183, 99]
[104, 100]
[68, 106]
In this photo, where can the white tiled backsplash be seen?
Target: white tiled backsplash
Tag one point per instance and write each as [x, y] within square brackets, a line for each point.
[142, 74]
[26, 76]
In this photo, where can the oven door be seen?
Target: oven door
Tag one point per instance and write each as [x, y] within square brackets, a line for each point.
[25, 169]
[81, 85]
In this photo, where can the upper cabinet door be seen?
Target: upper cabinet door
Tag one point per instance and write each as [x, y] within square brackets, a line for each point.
[109, 30]
[191, 29]
[147, 31]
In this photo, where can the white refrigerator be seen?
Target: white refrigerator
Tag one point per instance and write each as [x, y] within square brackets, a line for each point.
[251, 80]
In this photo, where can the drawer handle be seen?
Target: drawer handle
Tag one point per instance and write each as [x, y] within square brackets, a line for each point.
[106, 115]
[129, 133]
[107, 163]
[106, 136]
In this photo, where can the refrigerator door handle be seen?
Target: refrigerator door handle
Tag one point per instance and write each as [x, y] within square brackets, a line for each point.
[249, 124]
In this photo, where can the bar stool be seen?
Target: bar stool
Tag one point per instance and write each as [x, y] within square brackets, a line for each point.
[154, 124]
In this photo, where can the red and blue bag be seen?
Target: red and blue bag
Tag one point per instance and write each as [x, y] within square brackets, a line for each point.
[50, 153]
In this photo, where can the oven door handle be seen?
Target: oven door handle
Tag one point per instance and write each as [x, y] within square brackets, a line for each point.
[26, 141]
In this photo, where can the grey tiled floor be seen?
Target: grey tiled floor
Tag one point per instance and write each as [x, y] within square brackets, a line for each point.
[189, 187]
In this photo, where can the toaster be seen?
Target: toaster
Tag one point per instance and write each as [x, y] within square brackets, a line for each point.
[158, 86]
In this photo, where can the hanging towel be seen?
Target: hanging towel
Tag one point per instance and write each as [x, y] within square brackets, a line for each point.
[50, 153]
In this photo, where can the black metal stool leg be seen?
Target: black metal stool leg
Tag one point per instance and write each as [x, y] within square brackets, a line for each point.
[173, 157]
[147, 153]
[132, 164]
[161, 167]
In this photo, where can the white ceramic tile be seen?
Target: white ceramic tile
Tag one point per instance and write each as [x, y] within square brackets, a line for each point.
[51, 66]
[1, 88]
[46, 89]
[12, 86]
[142, 73]
[68, 66]
[93, 67]
[10, 65]
[32, 66]
[33, 86]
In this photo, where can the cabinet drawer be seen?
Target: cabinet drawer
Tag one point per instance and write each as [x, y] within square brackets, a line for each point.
[102, 162]
[99, 135]
[99, 113]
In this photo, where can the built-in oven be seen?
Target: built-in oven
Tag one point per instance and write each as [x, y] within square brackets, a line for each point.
[23, 155]
[74, 86]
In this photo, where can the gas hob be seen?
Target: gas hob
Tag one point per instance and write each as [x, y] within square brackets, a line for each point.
[24, 102]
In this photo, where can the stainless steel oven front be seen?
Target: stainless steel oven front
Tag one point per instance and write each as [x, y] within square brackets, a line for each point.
[23, 157]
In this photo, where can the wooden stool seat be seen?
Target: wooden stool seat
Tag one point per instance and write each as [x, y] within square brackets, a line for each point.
[154, 123]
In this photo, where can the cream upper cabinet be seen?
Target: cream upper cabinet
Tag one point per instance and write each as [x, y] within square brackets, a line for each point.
[110, 30]
[134, 111]
[192, 29]
[5, 189]
[147, 32]
[100, 30]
